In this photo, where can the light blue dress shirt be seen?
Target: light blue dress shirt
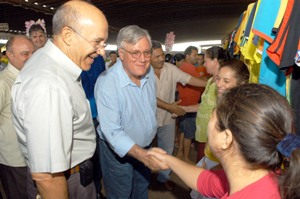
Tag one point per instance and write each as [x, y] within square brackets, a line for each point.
[126, 112]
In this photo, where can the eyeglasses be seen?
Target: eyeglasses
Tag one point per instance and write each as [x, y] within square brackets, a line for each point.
[95, 44]
[137, 54]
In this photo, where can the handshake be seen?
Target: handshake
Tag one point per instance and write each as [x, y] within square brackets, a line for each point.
[157, 159]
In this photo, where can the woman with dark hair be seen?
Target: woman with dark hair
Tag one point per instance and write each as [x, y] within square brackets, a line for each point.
[177, 59]
[251, 133]
[232, 73]
[213, 57]
[168, 57]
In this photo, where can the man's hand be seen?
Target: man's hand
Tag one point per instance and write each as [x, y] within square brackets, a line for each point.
[149, 161]
[174, 108]
[159, 156]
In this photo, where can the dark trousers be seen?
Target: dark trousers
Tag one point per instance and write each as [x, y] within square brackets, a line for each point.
[97, 173]
[123, 177]
[13, 180]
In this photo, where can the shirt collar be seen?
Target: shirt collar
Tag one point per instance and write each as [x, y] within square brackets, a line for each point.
[125, 80]
[64, 61]
[12, 69]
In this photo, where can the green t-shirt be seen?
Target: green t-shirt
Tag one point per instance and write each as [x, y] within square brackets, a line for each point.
[208, 102]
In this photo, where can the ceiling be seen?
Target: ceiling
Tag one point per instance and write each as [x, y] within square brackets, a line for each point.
[190, 20]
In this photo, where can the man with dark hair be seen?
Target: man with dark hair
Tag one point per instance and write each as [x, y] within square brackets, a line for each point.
[13, 169]
[113, 56]
[51, 114]
[167, 76]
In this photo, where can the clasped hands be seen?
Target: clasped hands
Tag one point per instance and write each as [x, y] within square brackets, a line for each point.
[157, 159]
[176, 110]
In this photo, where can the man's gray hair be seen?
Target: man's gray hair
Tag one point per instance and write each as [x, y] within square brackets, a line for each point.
[131, 35]
[64, 16]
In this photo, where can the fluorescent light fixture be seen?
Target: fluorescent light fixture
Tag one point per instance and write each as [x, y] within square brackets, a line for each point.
[180, 47]
[26, 0]
[44, 6]
[206, 47]
[36, 3]
[111, 47]
[3, 41]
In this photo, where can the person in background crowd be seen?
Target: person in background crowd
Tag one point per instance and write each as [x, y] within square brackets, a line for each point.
[51, 114]
[36, 31]
[113, 57]
[200, 59]
[188, 95]
[89, 79]
[168, 57]
[4, 60]
[232, 73]
[178, 59]
[167, 76]
[13, 170]
[200, 66]
[251, 133]
[214, 57]
[126, 103]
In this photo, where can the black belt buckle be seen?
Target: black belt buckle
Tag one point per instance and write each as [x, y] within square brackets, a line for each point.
[86, 173]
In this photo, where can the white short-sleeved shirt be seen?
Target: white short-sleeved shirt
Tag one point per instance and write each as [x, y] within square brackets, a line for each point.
[10, 153]
[51, 114]
[165, 89]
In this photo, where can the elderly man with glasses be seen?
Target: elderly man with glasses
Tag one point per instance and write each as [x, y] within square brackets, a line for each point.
[126, 103]
[51, 114]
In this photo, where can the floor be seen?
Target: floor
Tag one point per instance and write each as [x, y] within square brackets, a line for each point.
[157, 191]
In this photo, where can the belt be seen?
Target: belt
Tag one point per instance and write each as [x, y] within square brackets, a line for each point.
[72, 171]
[75, 169]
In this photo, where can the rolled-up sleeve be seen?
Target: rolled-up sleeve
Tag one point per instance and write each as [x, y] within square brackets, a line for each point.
[109, 115]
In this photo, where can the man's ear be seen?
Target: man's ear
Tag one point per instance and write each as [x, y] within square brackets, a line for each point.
[227, 139]
[121, 53]
[67, 35]
[9, 54]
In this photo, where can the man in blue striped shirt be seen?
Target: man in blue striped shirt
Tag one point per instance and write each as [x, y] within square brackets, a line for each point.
[126, 103]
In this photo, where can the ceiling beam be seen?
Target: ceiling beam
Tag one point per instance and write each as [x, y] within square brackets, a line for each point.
[31, 6]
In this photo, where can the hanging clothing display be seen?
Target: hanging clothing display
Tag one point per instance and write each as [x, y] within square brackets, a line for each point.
[283, 50]
[268, 41]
